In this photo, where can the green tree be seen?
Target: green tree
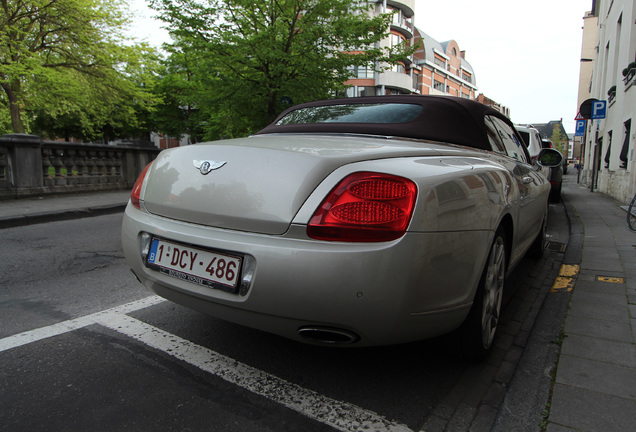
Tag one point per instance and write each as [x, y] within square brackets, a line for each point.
[69, 60]
[241, 62]
[559, 139]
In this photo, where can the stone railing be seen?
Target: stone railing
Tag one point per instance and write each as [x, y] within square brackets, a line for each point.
[30, 166]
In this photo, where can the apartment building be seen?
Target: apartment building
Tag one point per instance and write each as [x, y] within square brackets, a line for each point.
[588, 54]
[435, 68]
[608, 148]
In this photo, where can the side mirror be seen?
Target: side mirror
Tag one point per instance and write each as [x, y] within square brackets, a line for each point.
[549, 158]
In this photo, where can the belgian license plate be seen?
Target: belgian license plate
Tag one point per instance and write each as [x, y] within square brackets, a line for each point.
[199, 266]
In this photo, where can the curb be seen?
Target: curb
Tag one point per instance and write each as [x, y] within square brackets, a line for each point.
[62, 215]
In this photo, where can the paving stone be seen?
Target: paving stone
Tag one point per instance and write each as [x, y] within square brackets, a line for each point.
[434, 424]
[592, 286]
[484, 419]
[462, 418]
[608, 378]
[558, 428]
[495, 394]
[613, 298]
[586, 410]
[617, 312]
[514, 354]
[505, 372]
[599, 328]
[603, 350]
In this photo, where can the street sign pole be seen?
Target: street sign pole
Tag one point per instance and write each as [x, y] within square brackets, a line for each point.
[581, 154]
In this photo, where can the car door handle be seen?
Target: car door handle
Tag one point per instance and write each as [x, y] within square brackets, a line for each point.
[526, 180]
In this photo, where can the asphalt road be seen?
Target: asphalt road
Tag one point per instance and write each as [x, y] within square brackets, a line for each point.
[73, 358]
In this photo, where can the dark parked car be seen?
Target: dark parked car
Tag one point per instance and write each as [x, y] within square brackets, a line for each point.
[556, 175]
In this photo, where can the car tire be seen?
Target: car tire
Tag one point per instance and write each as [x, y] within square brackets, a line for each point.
[477, 333]
[541, 242]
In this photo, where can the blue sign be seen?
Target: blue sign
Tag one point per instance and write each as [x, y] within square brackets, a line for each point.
[580, 128]
[599, 109]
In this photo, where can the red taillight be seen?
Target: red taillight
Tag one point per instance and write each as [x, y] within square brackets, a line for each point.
[365, 207]
[136, 190]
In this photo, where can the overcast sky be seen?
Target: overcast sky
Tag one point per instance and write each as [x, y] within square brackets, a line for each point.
[525, 55]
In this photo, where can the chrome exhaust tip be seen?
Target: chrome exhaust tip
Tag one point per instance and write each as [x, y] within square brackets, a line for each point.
[328, 335]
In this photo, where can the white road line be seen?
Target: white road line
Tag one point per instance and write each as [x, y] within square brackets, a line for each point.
[30, 336]
[341, 415]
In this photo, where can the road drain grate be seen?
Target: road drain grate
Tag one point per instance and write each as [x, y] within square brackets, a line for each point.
[557, 247]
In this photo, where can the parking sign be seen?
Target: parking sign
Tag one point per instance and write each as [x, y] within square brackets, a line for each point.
[580, 128]
[599, 109]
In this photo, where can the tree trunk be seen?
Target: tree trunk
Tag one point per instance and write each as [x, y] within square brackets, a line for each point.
[12, 90]
[272, 106]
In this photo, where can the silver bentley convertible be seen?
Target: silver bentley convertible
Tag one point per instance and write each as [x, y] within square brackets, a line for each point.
[362, 221]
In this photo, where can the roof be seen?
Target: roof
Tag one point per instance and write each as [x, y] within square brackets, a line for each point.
[547, 129]
[438, 118]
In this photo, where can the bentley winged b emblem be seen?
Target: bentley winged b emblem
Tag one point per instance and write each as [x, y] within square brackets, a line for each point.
[206, 166]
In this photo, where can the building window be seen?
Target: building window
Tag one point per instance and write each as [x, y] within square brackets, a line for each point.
[366, 91]
[440, 62]
[608, 154]
[397, 15]
[399, 67]
[396, 40]
[466, 77]
[362, 72]
[365, 72]
[625, 149]
[440, 86]
[359, 91]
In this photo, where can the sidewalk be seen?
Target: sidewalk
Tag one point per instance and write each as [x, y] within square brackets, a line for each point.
[28, 211]
[595, 382]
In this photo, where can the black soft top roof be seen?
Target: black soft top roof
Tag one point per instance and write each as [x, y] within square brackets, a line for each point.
[442, 118]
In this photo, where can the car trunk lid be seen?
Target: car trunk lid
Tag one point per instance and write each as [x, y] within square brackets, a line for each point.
[257, 184]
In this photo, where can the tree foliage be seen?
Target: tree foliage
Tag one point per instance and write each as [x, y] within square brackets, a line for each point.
[66, 68]
[559, 139]
[236, 64]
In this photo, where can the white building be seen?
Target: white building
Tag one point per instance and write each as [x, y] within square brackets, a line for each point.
[608, 149]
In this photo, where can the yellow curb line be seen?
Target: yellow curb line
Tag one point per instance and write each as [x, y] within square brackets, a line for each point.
[566, 278]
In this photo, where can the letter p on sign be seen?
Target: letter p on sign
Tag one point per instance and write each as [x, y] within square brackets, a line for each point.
[598, 109]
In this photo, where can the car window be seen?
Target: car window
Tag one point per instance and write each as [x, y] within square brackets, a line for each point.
[508, 138]
[354, 113]
[526, 137]
[493, 136]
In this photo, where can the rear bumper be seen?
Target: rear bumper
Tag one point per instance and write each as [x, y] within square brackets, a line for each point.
[416, 287]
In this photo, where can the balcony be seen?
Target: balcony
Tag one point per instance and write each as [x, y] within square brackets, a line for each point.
[395, 80]
[407, 6]
[402, 22]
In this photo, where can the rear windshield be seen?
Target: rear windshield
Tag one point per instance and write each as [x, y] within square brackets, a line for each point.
[357, 113]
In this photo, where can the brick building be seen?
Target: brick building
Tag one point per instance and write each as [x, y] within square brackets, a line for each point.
[435, 68]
